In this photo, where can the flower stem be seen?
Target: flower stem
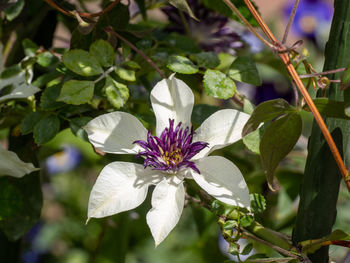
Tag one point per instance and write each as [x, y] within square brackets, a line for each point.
[291, 70]
[290, 22]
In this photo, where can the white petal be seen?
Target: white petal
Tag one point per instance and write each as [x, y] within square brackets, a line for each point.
[11, 165]
[121, 186]
[222, 128]
[115, 132]
[223, 180]
[167, 205]
[172, 99]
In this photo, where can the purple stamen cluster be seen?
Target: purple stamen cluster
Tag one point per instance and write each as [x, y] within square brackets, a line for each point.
[171, 151]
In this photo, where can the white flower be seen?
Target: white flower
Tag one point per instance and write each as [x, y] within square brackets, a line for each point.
[11, 165]
[175, 153]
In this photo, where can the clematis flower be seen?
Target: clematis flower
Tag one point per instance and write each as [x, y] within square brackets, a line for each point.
[175, 153]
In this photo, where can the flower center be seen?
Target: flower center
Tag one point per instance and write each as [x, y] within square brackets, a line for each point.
[171, 151]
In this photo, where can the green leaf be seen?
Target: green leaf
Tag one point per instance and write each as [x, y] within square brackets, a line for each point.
[221, 7]
[207, 59]
[125, 74]
[48, 100]
[266, 111]
[243, 69]
[218, 85]
[76, 126]
[247, 249]
[182, 5]
[310, 246]
[347, 102]
[132, 64]
[248, 107]
[28, 123]
[329, 108]
[77, 92]
[253, 139]
[29, 47]
[13, 11]
[118, 18]
[46, 59]
[80, 41]
[270, 260]
[46, 78]
[183, 43]
[345, 80]
[246, 220]
[181, 65]
[82, 63]
[117, 93]
[278, 140]
[202, 112]
[258, 203]
[103, 52]
[46, 129]
[20, 202]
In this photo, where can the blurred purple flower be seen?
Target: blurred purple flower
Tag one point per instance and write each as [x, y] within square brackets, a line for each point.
[212, 33]
[63, 161]
[312, 17]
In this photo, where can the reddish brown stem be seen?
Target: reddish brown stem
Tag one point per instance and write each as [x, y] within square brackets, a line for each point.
[81, 14]
[286, 60]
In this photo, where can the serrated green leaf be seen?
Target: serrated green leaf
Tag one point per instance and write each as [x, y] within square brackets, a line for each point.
[258, 203]
[182, 5]
[82, 63]
[103, 52]
[117, 93]
[77, 92]
[14, 10]
[243, 69]
[46, 59]
[267, 111]
[277, 141]
[125, 74]
[46, 129]
[181, 65]
[207, 59]
[48, 100]
[28, 123]
[218, 85]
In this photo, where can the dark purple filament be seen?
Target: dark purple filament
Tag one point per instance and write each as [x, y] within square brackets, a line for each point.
[171, 151]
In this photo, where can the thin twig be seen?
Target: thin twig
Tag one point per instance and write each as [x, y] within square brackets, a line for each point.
[111, 31]
[251, 28]
[82, 14]
[290, 22]
[278, 249]
[286, 60]
[321, 73]
[296, 93]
